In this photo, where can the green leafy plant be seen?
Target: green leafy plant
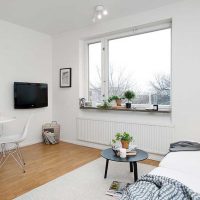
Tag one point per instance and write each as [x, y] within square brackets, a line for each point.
[104, 105]
[112, 98]
[125, 136]
[114, 141]
[129, 94]
[117, 99]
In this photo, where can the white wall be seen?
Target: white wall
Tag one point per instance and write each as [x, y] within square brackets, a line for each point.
[25, 55]
[185, 72]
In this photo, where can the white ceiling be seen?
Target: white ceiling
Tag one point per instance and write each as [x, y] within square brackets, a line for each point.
[56, 16]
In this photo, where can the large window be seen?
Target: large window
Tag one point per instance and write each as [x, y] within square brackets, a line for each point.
[94, 62]
[138, 61]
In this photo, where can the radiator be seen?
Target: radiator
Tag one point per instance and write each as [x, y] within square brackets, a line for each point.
[151, 138]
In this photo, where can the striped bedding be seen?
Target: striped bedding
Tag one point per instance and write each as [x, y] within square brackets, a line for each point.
[152, 187]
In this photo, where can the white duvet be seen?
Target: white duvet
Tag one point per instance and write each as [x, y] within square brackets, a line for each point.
[182, 166]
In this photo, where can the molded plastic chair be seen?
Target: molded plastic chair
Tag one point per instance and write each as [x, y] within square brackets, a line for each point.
[14, 152]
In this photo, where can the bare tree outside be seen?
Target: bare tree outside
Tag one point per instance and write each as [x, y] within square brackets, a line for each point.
[119, 82]
[95, 72]
[95, 87]
[161, 84]
[161, 87]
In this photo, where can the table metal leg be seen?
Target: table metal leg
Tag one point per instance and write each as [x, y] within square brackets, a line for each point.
[106, 169]
[131, 167]
[135, 171]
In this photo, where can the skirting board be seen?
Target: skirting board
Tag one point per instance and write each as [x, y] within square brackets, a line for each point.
[152, 156]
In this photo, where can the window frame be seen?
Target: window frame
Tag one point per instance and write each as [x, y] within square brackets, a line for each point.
[104, 39]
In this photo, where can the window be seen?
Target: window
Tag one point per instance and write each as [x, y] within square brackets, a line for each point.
[94, 61]
[138, 61]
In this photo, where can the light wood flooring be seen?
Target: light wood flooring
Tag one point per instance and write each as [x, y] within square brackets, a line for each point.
[43, 164]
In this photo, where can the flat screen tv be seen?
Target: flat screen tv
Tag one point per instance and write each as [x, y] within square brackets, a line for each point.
[30, 95]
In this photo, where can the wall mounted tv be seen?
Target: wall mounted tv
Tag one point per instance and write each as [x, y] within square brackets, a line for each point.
[30, 95]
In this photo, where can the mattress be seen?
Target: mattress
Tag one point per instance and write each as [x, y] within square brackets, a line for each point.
[183, 166]
[183, 161]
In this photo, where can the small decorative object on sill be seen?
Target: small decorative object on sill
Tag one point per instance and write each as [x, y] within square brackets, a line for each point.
[129, 95]
[82, 102]
[88, 103]
[155, 107]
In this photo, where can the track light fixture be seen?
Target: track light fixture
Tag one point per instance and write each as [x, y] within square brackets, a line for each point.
[99, 12]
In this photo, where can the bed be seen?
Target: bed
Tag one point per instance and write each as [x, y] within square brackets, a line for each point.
[183, 166]
[177, 177]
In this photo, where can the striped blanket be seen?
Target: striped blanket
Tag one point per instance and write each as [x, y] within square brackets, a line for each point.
[151, 187]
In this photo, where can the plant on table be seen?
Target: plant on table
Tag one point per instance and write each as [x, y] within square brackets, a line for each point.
[125, 138]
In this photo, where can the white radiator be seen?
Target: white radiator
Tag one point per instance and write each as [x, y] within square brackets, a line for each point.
[152, 138]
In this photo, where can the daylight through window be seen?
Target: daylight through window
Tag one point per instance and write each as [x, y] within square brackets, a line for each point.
[140, 62]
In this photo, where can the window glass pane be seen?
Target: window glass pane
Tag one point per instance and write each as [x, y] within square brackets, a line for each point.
[95, 72]
[142, 63]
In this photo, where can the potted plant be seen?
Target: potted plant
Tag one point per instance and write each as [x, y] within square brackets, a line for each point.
[105, 105]
[115, 98]
[129, 95]
[125, 139]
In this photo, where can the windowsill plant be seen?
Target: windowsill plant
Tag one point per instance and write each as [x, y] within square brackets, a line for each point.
[105, 105]
[117, 99]
[129, 95]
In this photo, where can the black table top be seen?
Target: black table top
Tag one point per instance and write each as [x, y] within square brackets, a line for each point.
[110, 155]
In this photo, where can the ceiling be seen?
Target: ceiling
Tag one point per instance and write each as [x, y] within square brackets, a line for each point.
[55, 16]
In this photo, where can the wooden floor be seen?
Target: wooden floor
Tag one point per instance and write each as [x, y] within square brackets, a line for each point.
[43, 164]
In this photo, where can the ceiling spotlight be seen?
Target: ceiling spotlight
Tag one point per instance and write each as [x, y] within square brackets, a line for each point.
[105, 12]
[99, 12]
[99, 16]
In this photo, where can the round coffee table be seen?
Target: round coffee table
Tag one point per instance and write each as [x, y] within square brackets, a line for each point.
[109, 154]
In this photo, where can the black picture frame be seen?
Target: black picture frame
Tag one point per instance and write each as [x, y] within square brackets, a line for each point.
[65, 77]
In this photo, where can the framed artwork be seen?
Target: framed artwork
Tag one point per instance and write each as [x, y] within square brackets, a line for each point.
[65, 77]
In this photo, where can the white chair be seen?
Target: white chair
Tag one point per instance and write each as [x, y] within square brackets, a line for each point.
[15, 152]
